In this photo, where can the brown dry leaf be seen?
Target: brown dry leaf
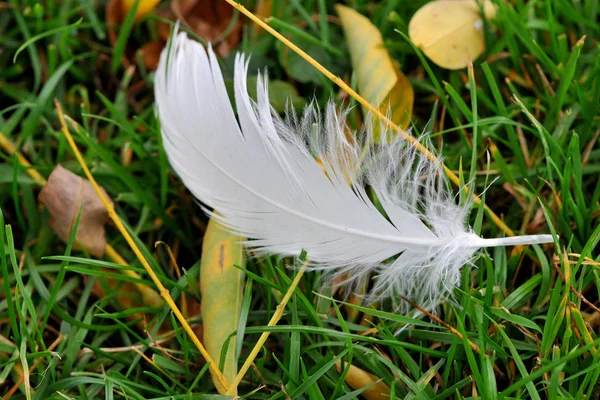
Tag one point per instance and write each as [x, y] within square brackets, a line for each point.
[356, 378]
[63, 195]
[183, 7]
[209, 19]
[114, 17]
[150, 53]
[116, 11]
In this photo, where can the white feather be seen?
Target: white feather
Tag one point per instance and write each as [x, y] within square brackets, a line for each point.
[262, 177]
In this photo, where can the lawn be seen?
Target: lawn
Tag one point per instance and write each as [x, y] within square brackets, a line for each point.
[140, 300]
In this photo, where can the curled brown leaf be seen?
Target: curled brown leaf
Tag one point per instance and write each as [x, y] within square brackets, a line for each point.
[212, 20]
[64, 195]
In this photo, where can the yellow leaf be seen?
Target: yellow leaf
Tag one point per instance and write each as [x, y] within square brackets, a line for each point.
[380, 81]
[143, 8]
[221, 284]
[356, 378]
[263, 9]
[580, 327]
[450, 32]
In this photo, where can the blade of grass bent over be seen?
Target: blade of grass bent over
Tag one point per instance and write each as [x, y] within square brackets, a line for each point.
[451, 175]
[115, 218]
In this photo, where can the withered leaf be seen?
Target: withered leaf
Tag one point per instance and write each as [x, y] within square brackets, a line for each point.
[63, 195]
[209, 19]
[116, 11]
[114, 17]
[356, 378]
[151, 54]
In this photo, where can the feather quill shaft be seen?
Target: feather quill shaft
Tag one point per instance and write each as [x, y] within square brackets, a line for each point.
[260, 172]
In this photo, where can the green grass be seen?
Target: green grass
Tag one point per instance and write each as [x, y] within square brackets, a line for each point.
[532, 105]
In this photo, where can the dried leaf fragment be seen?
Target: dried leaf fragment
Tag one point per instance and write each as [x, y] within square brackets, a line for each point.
[64, 194]
[116, 12]
[450, 32]
[150, 53]
[213, 20]
[114, 17]
[143, 8]
[380, 81]
[263, 10]
[222, 285]
[356, 378]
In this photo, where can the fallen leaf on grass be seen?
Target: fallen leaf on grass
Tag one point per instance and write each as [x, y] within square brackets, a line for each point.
[262, 10]
[356, 378]
[450, 32]
[64, 194]
[117, 10]
[150, 53]
[143, 8]
[380, 81]
[221, 284]
[114, 17]
[212, 20]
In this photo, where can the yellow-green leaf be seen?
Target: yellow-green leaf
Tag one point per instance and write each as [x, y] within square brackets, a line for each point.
[581, 327]
[356, 378]
[221, 284]
[380, 81]
[450, 32]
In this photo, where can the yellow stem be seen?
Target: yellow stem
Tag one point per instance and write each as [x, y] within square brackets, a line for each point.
[451, 175]
[263, 337]
[115, 218]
